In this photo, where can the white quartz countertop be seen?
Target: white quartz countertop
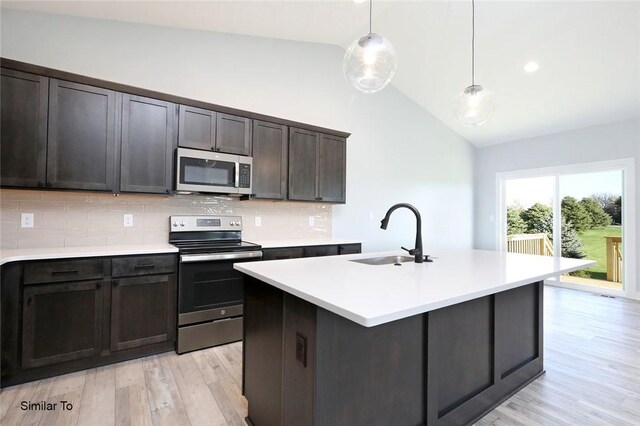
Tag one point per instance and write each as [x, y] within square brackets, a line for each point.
[14, 255]
[371, 295]
[305, 242]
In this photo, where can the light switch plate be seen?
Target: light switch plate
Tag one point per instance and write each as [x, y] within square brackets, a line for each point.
[258, 221]
[128, 220]
[312, 221]
[26, 220]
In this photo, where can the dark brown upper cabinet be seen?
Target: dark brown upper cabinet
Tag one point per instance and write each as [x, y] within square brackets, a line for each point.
[317, 167]
[23, 138]
[66, 131]
[332, 168]
[233, 134]
[302, 164]
[81, 144]
[214, 131]
[148, 145]
[197, 128]
[61, 322]
[270, 151]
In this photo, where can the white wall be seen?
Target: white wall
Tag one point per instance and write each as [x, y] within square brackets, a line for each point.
[599, 143]
[397, 151]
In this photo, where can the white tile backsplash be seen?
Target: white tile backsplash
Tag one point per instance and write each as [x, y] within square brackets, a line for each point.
[74, 219]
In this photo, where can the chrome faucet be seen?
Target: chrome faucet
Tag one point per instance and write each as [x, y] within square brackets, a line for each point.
[417, 251]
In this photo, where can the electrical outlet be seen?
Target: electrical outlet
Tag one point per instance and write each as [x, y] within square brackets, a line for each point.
[312, 220]
[258, 221]
[26, 220]
[128, 220]
[301, 349]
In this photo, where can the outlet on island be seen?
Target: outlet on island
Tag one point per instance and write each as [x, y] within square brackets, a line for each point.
[301, 349]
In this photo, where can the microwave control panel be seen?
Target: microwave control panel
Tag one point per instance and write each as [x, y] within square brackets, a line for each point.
[245, 176]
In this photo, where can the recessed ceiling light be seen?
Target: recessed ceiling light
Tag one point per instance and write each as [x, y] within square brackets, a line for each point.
[359, 1]
[531, 66]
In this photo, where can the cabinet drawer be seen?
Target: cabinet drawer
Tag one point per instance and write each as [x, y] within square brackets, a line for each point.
[316, 251]
[212, 333]
[282, 253]
[63, 270]
[143, 265]
[349, 248]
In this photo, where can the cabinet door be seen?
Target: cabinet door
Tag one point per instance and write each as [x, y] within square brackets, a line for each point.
[143, 311]
[61, 322]
[302, 165]
[282, 253]
[148, 143]
[197, 128]
[233, 134]
[23, 139]
[319, 251]
[349, 248]
[332, 168]
[81, 146]
[270, 146]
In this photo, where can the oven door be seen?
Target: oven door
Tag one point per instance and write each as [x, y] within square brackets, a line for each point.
[202, 171]
[208, 282]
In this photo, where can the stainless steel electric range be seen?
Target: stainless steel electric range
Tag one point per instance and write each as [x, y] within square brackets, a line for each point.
[210, 291]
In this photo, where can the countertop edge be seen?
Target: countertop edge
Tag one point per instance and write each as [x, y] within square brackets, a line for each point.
[273, 244]
[79, 252]
[417, 310]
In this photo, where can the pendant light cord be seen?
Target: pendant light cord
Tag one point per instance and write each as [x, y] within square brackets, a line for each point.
[370, 9]
[473, 42]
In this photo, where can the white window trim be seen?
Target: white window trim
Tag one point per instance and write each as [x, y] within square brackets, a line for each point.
[627, 165]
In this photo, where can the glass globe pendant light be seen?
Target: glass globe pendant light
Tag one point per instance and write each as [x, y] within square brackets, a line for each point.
[370, 62]
[475, 105]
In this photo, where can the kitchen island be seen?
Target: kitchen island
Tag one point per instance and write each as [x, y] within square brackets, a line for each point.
[333, 341]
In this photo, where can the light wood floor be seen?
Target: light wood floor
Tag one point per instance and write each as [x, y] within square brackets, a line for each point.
[592, 358]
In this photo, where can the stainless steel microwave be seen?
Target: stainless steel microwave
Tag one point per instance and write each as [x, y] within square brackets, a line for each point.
[204, 171]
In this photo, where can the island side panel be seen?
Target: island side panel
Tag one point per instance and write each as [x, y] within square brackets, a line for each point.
[299, 361]
[369, 375]
[481, 352]
[262, 346]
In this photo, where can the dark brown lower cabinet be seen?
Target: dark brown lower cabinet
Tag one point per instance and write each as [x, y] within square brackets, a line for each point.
[349, 248]
[60, 316]
[141, 311]
[310, 251]
[61, 322]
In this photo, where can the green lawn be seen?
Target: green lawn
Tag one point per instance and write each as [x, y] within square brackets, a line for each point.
[595, 249]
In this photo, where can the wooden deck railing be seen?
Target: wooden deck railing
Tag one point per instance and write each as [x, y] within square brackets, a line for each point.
[530, 244]
[614, 259]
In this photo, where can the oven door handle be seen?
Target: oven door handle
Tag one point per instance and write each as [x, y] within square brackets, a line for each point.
[237, 185]
[189, 258]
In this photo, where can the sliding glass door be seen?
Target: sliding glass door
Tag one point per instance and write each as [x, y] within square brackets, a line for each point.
[575, 211]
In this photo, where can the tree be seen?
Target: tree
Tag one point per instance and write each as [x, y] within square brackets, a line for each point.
[575, 213]
[539, 219]
[599, 217]
[571, 244]
[617, 211]
[611, 204]
[515, 224]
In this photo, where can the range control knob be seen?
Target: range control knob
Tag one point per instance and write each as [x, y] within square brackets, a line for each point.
[181, 223]
[174, 224]
[232, 223]
[237, 223]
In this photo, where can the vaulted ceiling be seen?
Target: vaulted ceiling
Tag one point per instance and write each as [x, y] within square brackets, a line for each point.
[588, 52]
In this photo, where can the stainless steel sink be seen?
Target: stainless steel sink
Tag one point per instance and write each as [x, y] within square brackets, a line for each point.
[385, 260]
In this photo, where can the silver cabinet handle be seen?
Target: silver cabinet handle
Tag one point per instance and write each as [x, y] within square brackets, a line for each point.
[190, 258]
